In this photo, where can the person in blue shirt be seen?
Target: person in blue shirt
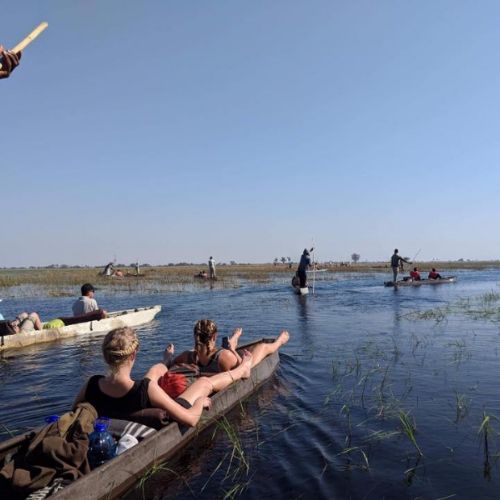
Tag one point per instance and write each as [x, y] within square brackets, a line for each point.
[304, 264]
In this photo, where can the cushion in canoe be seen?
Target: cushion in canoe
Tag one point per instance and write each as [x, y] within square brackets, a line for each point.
[91, 316]
[155, 418]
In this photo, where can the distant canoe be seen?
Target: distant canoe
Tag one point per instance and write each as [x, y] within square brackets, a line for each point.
[114, 478]
[439, 281]
[117, 319]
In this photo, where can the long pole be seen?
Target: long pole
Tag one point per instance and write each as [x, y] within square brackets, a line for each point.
[27, 40]
[314, 265]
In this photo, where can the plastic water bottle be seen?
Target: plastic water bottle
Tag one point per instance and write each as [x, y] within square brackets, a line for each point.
[102, 446]
[51, 419]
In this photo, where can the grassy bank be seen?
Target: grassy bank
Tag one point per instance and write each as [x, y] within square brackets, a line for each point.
[58, 282]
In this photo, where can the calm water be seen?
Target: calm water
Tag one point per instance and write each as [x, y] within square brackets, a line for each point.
[329, 423]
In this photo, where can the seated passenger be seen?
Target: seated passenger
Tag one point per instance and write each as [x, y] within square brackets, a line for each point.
[116, 393]
[415, 275]
[211, 359]
[25, 322]
[434, 275]
[86, 303]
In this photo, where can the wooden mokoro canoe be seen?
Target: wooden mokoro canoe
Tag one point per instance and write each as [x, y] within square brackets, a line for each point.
[441, 281]
[117, 319]
[112, 479]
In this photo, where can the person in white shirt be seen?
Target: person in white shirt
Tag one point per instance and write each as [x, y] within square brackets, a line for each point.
[211, 268]
[86, 303]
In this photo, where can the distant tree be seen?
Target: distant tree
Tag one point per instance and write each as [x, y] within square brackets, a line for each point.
[276, 261]
[233, 262]
[289, 259]
[283, 259]
[355, 257]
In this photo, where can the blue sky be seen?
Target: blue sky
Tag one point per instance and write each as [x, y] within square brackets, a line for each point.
[172, 131]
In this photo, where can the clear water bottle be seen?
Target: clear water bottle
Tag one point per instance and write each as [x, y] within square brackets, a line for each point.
[102, 446]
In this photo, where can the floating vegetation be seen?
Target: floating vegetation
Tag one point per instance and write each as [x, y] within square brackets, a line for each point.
[484, 306]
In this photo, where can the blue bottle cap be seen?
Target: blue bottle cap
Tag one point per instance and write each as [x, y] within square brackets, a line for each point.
[100, 427]
[51, 419]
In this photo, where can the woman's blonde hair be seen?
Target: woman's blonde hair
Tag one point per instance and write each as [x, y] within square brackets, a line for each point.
[118, 345]
[204, 335]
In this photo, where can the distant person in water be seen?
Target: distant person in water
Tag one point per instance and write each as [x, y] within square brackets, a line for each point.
[304, 264]
[211, 359]
[415, 274]
[9, 60]
[86, 303]
[211, 268]
[396, 260]
[434, 275]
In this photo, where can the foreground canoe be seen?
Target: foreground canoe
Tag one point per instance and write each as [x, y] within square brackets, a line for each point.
[439, 281]
[114, 478]
[117, 319]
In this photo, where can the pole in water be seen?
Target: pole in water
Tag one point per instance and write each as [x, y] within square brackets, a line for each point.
[314, 265]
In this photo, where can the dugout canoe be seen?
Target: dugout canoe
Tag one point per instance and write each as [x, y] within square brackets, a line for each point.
[112, 479]
[116, 319]
[439, 281]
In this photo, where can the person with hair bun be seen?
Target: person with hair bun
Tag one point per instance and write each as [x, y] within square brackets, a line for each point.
[118, 394]
[210, 359]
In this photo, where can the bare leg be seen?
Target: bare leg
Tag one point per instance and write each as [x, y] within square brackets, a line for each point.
[260, 351]
[204, 386]
[235, 337]
[37, 323]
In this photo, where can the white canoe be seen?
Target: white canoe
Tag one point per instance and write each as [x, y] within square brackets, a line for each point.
[117, 319]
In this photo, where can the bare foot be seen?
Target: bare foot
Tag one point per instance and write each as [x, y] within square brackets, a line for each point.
[246, 363]
[235, 337]
[283, 337]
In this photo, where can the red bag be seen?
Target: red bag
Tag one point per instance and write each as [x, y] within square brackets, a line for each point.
[174, 384]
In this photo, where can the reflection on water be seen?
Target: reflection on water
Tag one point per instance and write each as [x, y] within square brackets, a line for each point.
[329, 424]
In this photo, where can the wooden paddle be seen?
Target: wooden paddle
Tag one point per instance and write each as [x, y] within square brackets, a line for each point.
[26, 41]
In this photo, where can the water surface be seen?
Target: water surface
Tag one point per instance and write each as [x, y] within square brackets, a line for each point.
[329, 423]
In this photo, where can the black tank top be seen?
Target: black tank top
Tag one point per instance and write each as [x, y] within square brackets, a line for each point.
[136, 399]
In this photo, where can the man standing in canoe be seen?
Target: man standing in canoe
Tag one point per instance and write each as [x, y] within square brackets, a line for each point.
[211, 268]
[395, 260]
[304, 264]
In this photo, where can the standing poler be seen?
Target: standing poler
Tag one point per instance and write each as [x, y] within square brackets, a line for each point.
[211, 268]
[395, 260]
[304, 264]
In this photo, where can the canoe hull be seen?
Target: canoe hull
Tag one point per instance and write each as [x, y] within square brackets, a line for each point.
[115, 477]
[130, 317]
[442, 281]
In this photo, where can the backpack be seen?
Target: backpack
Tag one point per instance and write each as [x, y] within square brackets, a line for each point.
[58, 450]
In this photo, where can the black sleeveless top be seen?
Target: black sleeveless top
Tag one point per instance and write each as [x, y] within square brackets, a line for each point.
[136, 399]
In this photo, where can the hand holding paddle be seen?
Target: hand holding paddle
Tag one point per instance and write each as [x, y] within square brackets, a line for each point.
[10, 59]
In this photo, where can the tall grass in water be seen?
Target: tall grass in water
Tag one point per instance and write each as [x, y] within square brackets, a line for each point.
[409, 429]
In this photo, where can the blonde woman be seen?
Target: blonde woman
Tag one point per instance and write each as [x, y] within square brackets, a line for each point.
[210, 359]
[116, 393]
